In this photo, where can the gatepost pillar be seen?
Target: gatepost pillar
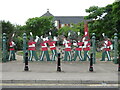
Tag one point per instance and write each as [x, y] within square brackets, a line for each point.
[115, 48]
[4, 49]
[24, 45]
[93, 48]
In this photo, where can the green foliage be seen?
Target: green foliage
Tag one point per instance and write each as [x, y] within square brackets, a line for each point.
[64, 30]
[105, 20]
[39, 25]
[75, 28]
[116, 16]
[95, 12]
[19, 43]
[7, 28]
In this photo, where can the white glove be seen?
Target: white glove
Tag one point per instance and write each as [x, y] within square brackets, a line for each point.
[84, 46]
[75, 44]
[66, 45]
[55, 38]
[83, 39]
[86, 33]
[44, 39]
[37, 37]
[111, 47]
[49, 33]
[78, 33]
[47, 38]
[41, 37]
[31, 34]
[64, 41]
[13, 43]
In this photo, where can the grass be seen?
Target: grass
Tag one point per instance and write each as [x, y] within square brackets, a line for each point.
[19, 52]
[38, 52]
[98, 54]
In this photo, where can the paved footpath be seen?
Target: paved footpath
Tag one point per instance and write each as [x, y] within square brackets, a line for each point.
[72, 72]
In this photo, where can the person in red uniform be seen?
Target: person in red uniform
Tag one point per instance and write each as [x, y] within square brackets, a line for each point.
[86, 48]
[44, 49]
[78, 50]
[106, 49]
[12, 50]
[32, 48]
[52, 43]
[67, 49]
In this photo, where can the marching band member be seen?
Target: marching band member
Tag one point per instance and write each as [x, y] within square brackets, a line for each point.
[32, 48]
[78, 50]
[12, 50]
[67, 44]
[52, 43]
[86, 48]
[106, 49]
[44, 49]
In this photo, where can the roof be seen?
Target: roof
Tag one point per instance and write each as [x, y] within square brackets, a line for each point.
[69, 19]
[47, 13]
[66, 19]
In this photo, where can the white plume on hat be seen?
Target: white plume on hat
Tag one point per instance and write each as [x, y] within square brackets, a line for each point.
[13, 35]
[103, 34]
[36, 38]
[69, 34]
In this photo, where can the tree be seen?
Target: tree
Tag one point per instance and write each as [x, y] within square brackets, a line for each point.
[102, 20]
[39, 25]
[116, 16]
[75, 28]
[7, 28]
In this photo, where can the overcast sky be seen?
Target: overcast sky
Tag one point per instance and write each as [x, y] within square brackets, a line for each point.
[18, 11]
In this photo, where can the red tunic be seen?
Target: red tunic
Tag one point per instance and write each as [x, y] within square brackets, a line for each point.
[69, 47]
[87, 47]
[44, 46]
[11, 46]
[108, 46]
[52, 45]
[79, 48]
[31, 45]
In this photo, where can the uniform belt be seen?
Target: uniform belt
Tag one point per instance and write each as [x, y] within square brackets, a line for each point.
[52, 46]
[11, 47]
[43, 46]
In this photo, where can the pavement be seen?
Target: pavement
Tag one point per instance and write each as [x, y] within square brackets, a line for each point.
[42, 72]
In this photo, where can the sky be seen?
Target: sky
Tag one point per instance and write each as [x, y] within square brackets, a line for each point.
[18, 11]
